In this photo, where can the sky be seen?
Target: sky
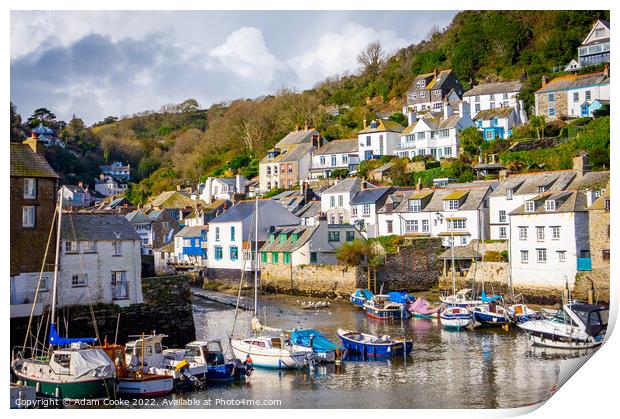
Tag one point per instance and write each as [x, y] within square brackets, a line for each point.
[93, 64]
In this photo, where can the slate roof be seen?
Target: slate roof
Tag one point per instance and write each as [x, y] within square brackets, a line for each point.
[244, 209]
[370, 196]
[494, 88]
[350, 184]
[528, 183]
[599, 204]
[311, 209]
[289, 153]
[590, 180]
[383, 125]
[501, 112]
[97, 227]
[431, 81]
[297, 137]
[383, 168]
[338, 146]
[27, 163]
[75, 188]
[473, 200]
[461, 252]
[193, 231]
[565, 201]
[175, 199]
[435, 120]
[304, 232]
[138, 217]
[574, 81]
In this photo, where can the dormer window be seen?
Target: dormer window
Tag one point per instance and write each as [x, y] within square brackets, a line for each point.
[422, 83]
[542, 189]
[451, 205]
[509, 194]
[373, 124]
[529, 206]
[415, 205]
[550, 205]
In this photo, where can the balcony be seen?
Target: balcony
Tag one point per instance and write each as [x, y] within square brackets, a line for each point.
[584, 264]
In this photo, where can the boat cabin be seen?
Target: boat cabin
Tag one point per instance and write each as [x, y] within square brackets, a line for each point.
[268, 342]
[592, 318]
[208, 352]
[153, 351]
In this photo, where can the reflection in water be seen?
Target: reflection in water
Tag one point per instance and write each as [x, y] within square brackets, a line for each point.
[446, 369]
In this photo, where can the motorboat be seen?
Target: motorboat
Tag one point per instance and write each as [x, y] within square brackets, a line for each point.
[367, 345]
[313, 341]
[460, 298]
[270, 352]
[360, 296]
[575, 326]
[490, 314]
[380, 307]
[455, 317]
[520, 313]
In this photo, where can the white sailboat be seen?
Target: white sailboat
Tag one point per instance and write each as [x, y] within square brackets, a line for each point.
[456, 315]
[68, 368]
[264, 350]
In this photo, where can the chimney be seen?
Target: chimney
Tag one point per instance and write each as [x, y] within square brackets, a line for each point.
[503, 174]
[364, 123]
[447, 110]
[606, 71]
[240, 184]
[435, 72]
[581, 164]
[544, 81]
[35, 144]
[319, 141]
[363, 187]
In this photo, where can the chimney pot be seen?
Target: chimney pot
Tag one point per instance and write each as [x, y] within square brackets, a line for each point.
[544, 81]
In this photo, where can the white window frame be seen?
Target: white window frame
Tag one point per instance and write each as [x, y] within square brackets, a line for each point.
[117, 248]
[525, 256]
[79, 280]
[540, 233]
[502, 232]
[550, 205]
[502, 216]
[530, 206]
[541, 255]
[508, 194]
[29, 216]
[561, 256]
[30, 188]
[522, 233]
[366, 210]
[415, 205]
[555, 233]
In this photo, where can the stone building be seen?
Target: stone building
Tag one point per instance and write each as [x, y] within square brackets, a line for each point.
[33, 190]
[600, 232]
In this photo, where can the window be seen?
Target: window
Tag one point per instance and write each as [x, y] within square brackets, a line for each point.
[263, 257]
[525, 256]
[217, 234]
[332, 201]
[411, 226]
[286, 258]
[425, 227]
[390, 228]
[340, 200]
[294, 237]
[541, 255]
[186, 243]
[78, 280]
[341, 219]
[232, 233]
[463, 240]
[350, 236]
[88, 246]
[333, 159]
[415, 205]
[551, 112]
[605, 254]
[421, 94]
[502, 216]
[332, 219]
[529, 206]
[477, 99]
[282, 237]
[584, 254]
[576, 97]
[322, 160]
[71, 247]
[540, 234]
[588, 95]
[502, 232]
[116, 248]
[551, 97]
[555, 233]
[561, 255]
[550, 205]
[489, 134]
[456, 225]
[477, 107]
[28, 217]
[368, 141]
[607, 205]
[313, 257]
[274, 258]
[447, 151]
[218, 252]
[64, 360]
[120, 290]
[333, 236]
[290, 167]
[354, 211]
[522, 233]
[345, 159]
[492, 105]
[366, 210]
[451, 205]
[234, 253]
[30, 188]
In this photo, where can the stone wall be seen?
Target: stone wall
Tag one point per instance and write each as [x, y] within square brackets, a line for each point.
[326, 281]
[560, 104]
[596, 280]
[599, 238]
[167, 309]
[414, 267]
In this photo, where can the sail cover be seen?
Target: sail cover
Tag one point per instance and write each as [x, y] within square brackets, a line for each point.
[91, 362]
[319, 342]
[485, 299]
[56, 339]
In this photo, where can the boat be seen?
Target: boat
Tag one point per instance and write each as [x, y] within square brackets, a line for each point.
[490, 314]
[422, 309]
[270, 352]
[357, 343]
[136, 382]
[520, 313]
[455, 317]
[314, 305]
[460, 299]
[22, 397]
[313, 341]
[576, 326]
[68, 368]
[360, 296]
[380, 307]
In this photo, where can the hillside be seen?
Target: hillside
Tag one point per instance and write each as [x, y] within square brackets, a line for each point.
[182, 142]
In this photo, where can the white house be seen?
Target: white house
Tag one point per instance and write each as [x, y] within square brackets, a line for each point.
[378, 139]
[117, 170]
[75, 196]
[459, 211]
[306, 245]
[107, 186]
[335, 201]
[232, 235]
[190, 245]
[435, 133]
[222, 188]
[142, 223]
[549, 239]
[100, 261]
[496, 123]
[364, 207]
[595, 48]
[337, 154]
[488, 96]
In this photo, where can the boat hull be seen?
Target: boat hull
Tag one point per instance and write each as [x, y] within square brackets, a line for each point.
[146, 387]
[391, 314]
[99, 388]
[455, 318]
[490, 319]
[375, 350]
[544, 333]
[358, 301]
[278, 359]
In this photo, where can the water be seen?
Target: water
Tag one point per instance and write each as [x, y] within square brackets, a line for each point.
[489, 368]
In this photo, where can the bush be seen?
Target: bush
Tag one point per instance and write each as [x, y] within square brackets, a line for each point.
[493, 256]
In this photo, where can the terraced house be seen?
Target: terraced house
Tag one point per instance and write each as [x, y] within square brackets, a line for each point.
[429, 91]
[338, 154]
[378, 139]
[488, 96]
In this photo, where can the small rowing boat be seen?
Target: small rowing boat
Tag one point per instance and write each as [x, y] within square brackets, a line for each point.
[373, 346]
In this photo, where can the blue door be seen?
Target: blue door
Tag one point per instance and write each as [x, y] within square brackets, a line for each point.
[584, 110]
[368, 155]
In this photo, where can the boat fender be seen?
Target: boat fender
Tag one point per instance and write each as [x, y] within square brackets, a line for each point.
[57, 392]
[182, 364]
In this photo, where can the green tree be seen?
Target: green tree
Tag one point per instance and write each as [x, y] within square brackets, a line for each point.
[539, 124]
[17, 132]
[471, 140]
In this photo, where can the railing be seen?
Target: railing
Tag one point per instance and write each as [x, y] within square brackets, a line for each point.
[584, 264]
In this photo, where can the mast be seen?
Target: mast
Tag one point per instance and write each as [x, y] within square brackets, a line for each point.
[57, 259]
[512, 290]
[256, 256]
[453, 274]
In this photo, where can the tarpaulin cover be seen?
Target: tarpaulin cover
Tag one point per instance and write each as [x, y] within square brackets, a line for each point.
[365, 293]
[319, 342]
[421, 306]
[400, 297]
[486, 299]
[91, 362]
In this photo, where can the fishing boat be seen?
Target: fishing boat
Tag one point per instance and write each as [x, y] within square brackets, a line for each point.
[520, 313]
[575, 326]
[68, 368]
[270, 352]
[422, 309]
[367, 345]
[136, 382]
[360, 296]
[455, 317]
[490, 314]
[380, 307]
[313, 341]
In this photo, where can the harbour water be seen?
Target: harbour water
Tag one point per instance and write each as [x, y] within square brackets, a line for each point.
[490, 368]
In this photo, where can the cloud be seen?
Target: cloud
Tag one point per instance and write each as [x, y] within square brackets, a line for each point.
[336, 52]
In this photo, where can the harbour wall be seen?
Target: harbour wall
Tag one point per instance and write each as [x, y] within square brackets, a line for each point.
[325, 281]
[167, 309]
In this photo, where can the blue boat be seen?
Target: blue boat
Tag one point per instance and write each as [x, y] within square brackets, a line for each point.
[360, 296]
[380, 307]
[371, 346]
[491, 314]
